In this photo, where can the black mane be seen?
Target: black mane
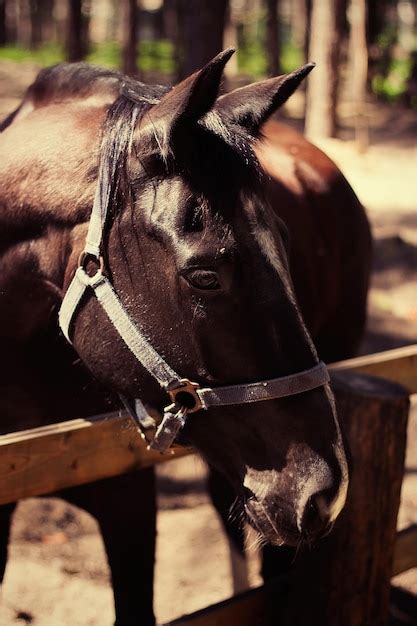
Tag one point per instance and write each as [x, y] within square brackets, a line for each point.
[79, 80]
[210, 149]
[211, 155]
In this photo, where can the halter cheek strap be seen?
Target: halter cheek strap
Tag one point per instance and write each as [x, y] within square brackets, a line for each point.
[186, 396]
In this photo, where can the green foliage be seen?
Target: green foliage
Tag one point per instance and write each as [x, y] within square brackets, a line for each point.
[106, 54]
[394, 84]
[156, 56]
[394, 66]
[251, 59]
[48, 54]
[292, 57]
[153, 56]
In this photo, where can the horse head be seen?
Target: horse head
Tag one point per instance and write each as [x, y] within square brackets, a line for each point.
[199, 260]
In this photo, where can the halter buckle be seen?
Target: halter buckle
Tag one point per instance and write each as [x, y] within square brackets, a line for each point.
[88, 256]
[185, 395]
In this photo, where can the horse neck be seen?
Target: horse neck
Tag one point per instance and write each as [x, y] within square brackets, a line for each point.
[46, 194]
[32, 270]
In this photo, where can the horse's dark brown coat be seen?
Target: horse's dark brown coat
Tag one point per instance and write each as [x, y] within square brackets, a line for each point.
[48, 173]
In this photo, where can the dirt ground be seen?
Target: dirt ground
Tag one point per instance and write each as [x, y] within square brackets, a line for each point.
[57, 573]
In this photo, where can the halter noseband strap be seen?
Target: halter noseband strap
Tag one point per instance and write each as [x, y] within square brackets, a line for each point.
[186, 397]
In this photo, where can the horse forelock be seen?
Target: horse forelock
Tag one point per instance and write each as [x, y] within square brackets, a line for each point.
[209, 148]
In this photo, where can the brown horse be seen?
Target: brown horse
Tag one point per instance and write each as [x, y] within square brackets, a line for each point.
[198, 246]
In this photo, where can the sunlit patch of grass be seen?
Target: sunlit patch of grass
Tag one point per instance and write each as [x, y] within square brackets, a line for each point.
[156, 56]
[47, 54]
[106, 54]
[153, 56]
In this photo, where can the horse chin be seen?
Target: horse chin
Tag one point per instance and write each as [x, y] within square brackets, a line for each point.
[272, 531]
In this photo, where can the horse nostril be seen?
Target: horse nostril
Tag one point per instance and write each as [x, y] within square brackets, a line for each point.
[315, 522]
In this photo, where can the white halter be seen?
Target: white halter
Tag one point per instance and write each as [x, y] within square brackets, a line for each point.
[186, 396]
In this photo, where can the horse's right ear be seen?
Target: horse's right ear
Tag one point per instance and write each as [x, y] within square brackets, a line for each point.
[250, 106]
[188, 101]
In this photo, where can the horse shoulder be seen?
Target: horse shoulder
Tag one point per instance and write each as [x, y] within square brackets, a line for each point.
[48, 165]
[47, 182]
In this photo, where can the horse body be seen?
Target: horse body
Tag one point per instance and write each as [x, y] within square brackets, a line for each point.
[329, 239]
[48, 174]
[40, 210]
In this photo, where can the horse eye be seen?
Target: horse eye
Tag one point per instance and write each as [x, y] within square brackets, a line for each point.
[203, 279]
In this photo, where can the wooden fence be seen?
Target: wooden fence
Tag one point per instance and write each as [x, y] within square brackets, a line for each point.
[46, 459]
[254, 606]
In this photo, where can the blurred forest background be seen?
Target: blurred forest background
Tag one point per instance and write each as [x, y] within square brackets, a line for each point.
[365, 49]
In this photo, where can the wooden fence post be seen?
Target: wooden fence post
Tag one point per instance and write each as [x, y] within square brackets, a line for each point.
[344, 579]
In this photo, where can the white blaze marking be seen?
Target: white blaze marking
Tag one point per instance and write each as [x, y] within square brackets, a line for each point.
[339, 501]
[319, 480]
[267, 246]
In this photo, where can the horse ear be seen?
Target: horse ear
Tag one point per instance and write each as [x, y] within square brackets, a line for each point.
[188, 101]
[251, 106]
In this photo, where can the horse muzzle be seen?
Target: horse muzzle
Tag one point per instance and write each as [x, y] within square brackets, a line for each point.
[287, 512]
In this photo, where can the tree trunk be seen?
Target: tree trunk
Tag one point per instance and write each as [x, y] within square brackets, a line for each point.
[359, 70]
[77, 31]
[201, 26]
[230, 40]
[171, 30]
[344, 580]
[3, 33]
[272, 38]
[130, 37]
[36, 16]
[60, 21]
[48, 20]
[23, 23]
[300, 18]
[377, 17]
[324, 49]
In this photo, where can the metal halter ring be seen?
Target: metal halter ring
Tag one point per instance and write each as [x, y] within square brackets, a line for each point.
[185, 395]
[87, 256]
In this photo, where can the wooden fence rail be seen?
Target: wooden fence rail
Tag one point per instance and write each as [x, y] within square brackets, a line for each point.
[47, 459]
[399, 365]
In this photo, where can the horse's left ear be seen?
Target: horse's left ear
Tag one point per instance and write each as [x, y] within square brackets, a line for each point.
[188, 101]
[251, 106]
